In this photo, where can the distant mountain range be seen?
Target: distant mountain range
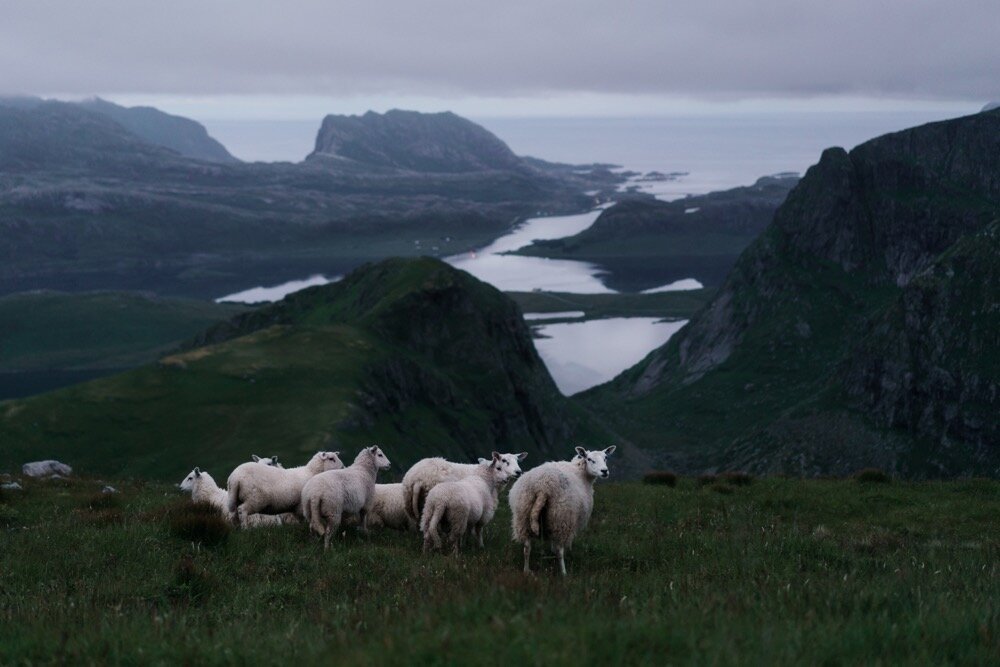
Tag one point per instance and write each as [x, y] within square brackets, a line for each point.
[96, 196]
[862, 327]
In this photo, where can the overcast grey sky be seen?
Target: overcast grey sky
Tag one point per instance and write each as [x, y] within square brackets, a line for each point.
[550, 55]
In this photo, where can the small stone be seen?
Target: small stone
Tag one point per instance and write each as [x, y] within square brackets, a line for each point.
[109, 489]
[46, 468]
[11, 486]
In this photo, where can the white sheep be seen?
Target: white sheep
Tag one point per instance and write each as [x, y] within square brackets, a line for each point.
[255, 488]
[466, 505]
[330, 497]
[389, 509]
[554, 501]
[204, 490]
[267, 460]
[428, 473]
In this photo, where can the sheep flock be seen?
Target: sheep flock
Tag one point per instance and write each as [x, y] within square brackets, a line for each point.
[445, 501]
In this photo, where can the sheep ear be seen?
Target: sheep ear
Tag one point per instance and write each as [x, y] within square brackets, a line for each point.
[610, 450]
[581, 451]
[522, 456]
[373, 449]
[482, 460]
[274, 459]
[496, 456]
[197, 472]
[256, 459]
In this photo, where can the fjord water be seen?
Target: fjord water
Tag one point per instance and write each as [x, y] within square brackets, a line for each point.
[581, 355]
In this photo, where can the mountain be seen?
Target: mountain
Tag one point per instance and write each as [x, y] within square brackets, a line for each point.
[859, 329]
[990, 106]
[425, 142]
[644, 242]
[179, 134]
[411, 354]
[86, 204]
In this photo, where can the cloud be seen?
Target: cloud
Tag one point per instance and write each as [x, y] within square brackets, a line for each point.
[707, 48]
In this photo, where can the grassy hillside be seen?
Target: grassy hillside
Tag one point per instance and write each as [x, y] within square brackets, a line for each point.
[595, 306]
[54, 330]
[779, 572]
[410, 354]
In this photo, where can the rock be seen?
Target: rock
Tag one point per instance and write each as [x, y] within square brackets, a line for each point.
[49, 468]
[11, 486]
[109, 489]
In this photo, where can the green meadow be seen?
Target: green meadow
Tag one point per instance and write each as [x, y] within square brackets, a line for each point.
[778, 571]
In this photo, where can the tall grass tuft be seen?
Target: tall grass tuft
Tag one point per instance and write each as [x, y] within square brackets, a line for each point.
[191, 582]
[201, 523]
[664, 477]
[706, 479]
[872, 476]
[736, 478]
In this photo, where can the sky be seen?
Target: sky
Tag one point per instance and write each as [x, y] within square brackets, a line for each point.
[297, 59]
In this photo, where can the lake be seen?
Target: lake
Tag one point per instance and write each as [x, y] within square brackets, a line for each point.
[581, 355]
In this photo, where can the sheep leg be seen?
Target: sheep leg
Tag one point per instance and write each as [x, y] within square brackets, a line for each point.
[527, 556]
[363, 521]
[562, 559]
[332, 526]
[479, 534]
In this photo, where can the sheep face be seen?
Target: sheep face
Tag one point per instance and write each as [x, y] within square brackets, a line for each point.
[331, 460]
[501, 467]
[596, 461]
[510, 463]
[188, 482]
[381, 460]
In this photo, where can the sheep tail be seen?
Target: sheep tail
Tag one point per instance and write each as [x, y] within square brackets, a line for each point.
[430, 520]
[313, 514]
[413, 501]
[536, 513]
[234, 498]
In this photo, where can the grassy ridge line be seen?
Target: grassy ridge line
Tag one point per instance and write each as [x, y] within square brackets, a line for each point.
[780, 572]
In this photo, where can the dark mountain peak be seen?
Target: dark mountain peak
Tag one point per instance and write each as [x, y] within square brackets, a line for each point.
[415, 141]
[990, 106]
[181, 135]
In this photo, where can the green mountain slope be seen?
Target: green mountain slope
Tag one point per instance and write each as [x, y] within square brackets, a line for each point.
[852, 288]
[412, 354]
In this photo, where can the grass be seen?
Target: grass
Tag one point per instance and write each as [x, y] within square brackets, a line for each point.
[779, 572]
[594, 306]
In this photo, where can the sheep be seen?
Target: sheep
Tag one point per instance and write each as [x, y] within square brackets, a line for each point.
[329, 497]
[427, 473]
[267, 460]
[467, 504]
[255, 488]
[554, 501]
[389, 509]
[204, 490]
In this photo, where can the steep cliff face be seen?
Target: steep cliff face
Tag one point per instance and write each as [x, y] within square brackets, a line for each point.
[861, 248]
[931, 364]
[412, 354]
[439, 142]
